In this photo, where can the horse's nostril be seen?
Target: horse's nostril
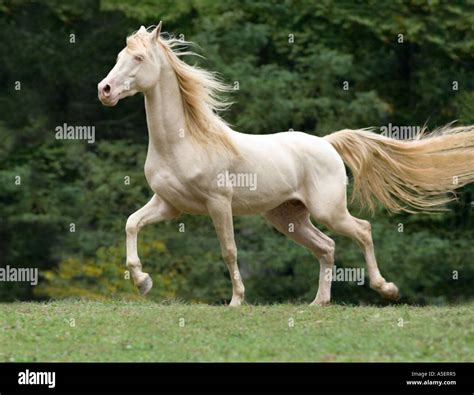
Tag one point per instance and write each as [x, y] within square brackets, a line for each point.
[106, 89]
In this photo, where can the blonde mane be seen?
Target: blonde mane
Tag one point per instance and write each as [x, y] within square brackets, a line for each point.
[200, 92]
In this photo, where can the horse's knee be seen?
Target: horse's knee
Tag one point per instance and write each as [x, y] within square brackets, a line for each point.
[229, 253]
[132, 225]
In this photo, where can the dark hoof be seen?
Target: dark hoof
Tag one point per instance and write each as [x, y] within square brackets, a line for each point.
[145, 286]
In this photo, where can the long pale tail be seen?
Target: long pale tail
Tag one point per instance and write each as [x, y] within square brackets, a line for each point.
[412, 175]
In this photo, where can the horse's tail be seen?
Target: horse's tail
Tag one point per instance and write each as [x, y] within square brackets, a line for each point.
[412, 175]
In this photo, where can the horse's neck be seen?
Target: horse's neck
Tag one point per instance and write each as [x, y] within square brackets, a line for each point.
[165, 117]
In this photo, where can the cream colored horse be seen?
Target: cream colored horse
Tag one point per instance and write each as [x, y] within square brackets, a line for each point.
[197, 164]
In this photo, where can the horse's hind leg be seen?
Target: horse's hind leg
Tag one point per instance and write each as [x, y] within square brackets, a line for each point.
[342, 222]
[292, 219]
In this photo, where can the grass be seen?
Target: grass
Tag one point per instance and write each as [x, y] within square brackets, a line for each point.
[146, 331]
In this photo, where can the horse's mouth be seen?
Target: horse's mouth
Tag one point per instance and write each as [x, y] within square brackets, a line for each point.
[109, 103]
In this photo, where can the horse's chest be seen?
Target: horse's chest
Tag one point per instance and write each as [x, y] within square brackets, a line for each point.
[176, 191]
[165, 183]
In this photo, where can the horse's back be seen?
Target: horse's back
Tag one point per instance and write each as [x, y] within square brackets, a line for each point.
[296, 147]
[284, 166]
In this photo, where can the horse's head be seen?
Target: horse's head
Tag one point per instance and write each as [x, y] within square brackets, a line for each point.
[137, 68]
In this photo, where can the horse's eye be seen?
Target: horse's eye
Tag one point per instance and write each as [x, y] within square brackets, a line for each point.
[138, 58]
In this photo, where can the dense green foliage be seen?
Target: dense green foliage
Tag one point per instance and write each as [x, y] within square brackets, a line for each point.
[115, 331]
[290, 60]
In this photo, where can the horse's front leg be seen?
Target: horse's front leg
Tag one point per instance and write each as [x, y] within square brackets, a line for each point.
[220, 211]
[154, 211]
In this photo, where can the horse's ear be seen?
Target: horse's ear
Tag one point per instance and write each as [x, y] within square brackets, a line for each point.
[142, 29]
[157, 31]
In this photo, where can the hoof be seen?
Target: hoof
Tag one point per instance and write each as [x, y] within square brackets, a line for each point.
[320, 303]
[235, 302]
[145, 285]
[390, 291]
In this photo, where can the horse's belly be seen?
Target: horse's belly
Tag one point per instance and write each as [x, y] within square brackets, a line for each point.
[262, 199]
[252, 207]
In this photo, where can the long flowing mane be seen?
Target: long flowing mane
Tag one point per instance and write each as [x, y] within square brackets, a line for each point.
[201, 93]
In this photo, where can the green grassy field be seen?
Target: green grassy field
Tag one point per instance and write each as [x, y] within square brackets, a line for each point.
[145, 331]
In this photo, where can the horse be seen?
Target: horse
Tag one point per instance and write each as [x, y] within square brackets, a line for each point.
[197, 164]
